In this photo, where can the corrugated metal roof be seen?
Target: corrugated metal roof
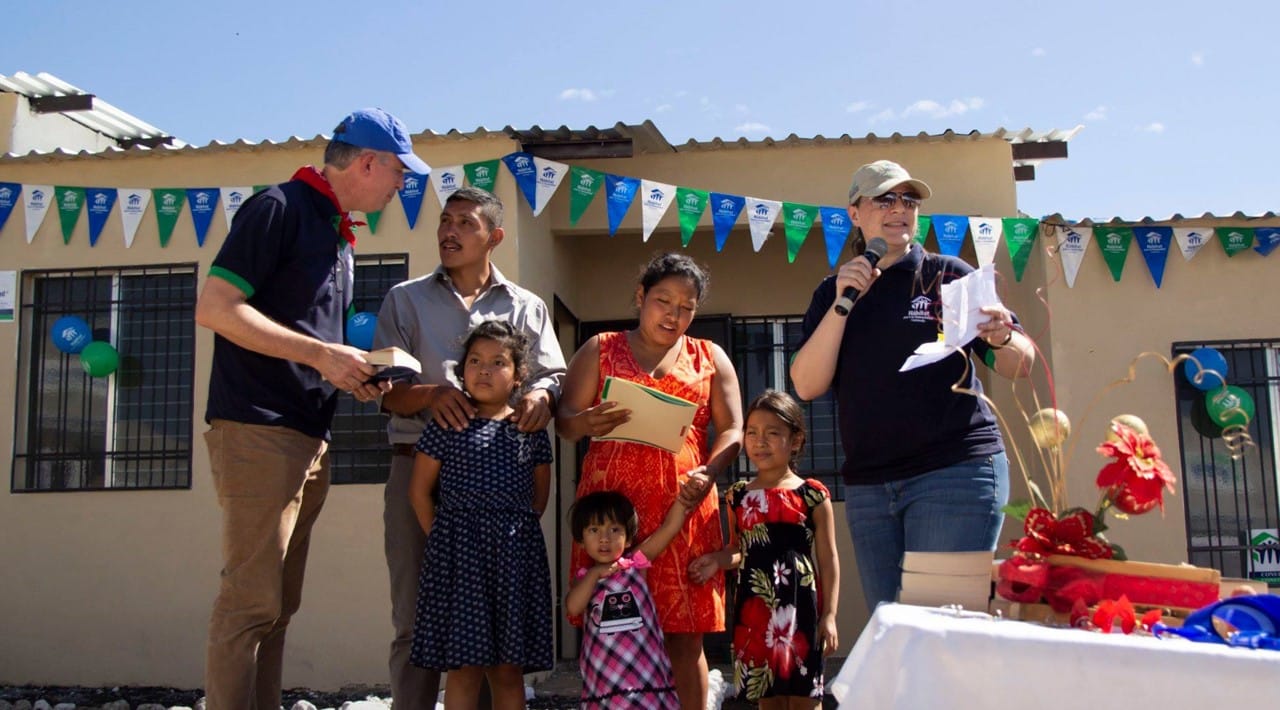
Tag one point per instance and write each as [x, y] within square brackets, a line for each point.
[103, 117]
[1026, 135]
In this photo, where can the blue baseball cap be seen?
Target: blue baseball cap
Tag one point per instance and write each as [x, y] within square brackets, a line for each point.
[376, 129]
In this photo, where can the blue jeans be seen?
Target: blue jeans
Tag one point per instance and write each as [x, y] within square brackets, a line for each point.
[952, 509]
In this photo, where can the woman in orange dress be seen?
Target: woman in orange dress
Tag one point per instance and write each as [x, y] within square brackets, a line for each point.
[658, 354]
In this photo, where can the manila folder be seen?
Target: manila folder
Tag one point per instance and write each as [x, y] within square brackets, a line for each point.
[657, 418]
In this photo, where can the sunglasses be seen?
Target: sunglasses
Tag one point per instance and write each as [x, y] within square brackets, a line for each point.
[910, 200]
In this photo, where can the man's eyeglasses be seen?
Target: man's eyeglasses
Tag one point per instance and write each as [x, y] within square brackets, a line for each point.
[910, 200]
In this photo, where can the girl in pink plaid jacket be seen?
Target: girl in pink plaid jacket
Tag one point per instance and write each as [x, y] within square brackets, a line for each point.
[623, 662]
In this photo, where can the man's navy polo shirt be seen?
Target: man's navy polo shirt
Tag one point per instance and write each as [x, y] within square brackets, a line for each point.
[285, 254]
[896, 425]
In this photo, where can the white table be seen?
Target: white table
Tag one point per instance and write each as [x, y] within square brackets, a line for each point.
[917, 657]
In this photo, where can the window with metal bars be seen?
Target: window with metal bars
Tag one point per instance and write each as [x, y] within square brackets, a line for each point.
[359, 452]
[1231, 504]
[130, 429]
[761, 352]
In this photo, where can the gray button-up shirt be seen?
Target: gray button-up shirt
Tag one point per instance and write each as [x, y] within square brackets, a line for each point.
[428, 319]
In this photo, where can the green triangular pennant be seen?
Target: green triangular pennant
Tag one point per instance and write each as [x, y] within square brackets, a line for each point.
[1114, 243]
[690, 204]
[1020, 238]
[483, 174]
[1235, 239]
[584, 184]
[259, 188]
[70, 203]
[923, 223]
[798, 220]
[372, 218]
[168, 202]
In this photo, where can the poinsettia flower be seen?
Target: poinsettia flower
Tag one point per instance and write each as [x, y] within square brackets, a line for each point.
[749, 646]
[1136, 479]
[755, 506]
[787, 646]
[1071, 534]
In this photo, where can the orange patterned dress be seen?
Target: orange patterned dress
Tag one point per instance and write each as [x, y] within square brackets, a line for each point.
[650, 477]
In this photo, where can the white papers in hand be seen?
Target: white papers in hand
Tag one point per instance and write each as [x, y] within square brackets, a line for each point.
[962, 300]
[657, 418]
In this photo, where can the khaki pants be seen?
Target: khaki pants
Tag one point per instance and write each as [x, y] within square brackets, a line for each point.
[271, 483]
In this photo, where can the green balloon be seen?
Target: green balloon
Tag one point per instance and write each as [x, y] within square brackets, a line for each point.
[1227, 406]
[99, 359]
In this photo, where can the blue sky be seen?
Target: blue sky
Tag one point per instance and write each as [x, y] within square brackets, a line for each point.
[1178, 99]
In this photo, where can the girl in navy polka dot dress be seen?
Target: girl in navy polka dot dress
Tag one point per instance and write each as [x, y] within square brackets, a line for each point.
[484, 596]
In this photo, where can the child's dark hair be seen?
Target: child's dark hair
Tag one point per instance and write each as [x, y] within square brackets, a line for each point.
[668, 264]
[601, 506]
[503, 333]
[784, 407]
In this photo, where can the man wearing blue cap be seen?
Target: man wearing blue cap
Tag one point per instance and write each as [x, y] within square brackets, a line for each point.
[276, 298]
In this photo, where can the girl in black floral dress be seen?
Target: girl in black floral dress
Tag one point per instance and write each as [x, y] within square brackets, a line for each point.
[783, 545]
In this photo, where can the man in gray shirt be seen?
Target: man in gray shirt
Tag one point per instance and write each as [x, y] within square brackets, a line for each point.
[429, 317]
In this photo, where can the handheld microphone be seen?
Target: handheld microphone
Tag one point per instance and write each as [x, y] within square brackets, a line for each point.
[875, 249]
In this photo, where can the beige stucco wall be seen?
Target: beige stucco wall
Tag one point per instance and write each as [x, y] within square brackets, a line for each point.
[114, 587]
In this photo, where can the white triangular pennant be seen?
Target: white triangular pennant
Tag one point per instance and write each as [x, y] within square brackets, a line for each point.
[232, 198]
[986, 237]
[446, 181]
[761, 215]
[1190, 239]
[36, 200]
[549, 174]
[1073, 242]
[133, 205]
[655, 198]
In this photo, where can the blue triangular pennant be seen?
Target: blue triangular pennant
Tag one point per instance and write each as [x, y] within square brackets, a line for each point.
[202, 202]
[724, 214]
[99, 201]
[10, 194]
[1154, 242]
[526, 175]
[836, 226]
[1268, 239]
[949, 230]
[620, 191]
[411, 196]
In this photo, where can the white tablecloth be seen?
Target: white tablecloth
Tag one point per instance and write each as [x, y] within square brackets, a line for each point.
[917, 657]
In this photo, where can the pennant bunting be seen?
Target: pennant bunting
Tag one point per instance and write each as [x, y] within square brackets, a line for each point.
[411, 195]
[10, 194]
[986, 237]
[1020, 239]
[923, 222]
[724, 214]
[1154, 243]
[1235, 239]
[445, 181]
[1190, 239]
[584, 183]
[526, 175]
[372, 218]
[1114, 243]
[836, 226]
[133, 204]
[203, 202]
[232, 198]
[690, 204]
[1268, 240]
[550, 173]
[797, 220]
[655, 200]
[949, 230]
[70, 204]
[98, 201]
[620, 192]
[259, 188]
[168, 206]
[1073, 242]
[760, 219]
[482, 174]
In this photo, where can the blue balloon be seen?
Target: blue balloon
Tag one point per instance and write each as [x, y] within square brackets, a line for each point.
[1209, 359]
[360, 328]
[70, 334]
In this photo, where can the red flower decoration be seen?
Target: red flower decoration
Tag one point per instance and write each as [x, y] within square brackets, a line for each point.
[1072, 534]
[1136, 480]
[1108, 611]
[748, 643]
